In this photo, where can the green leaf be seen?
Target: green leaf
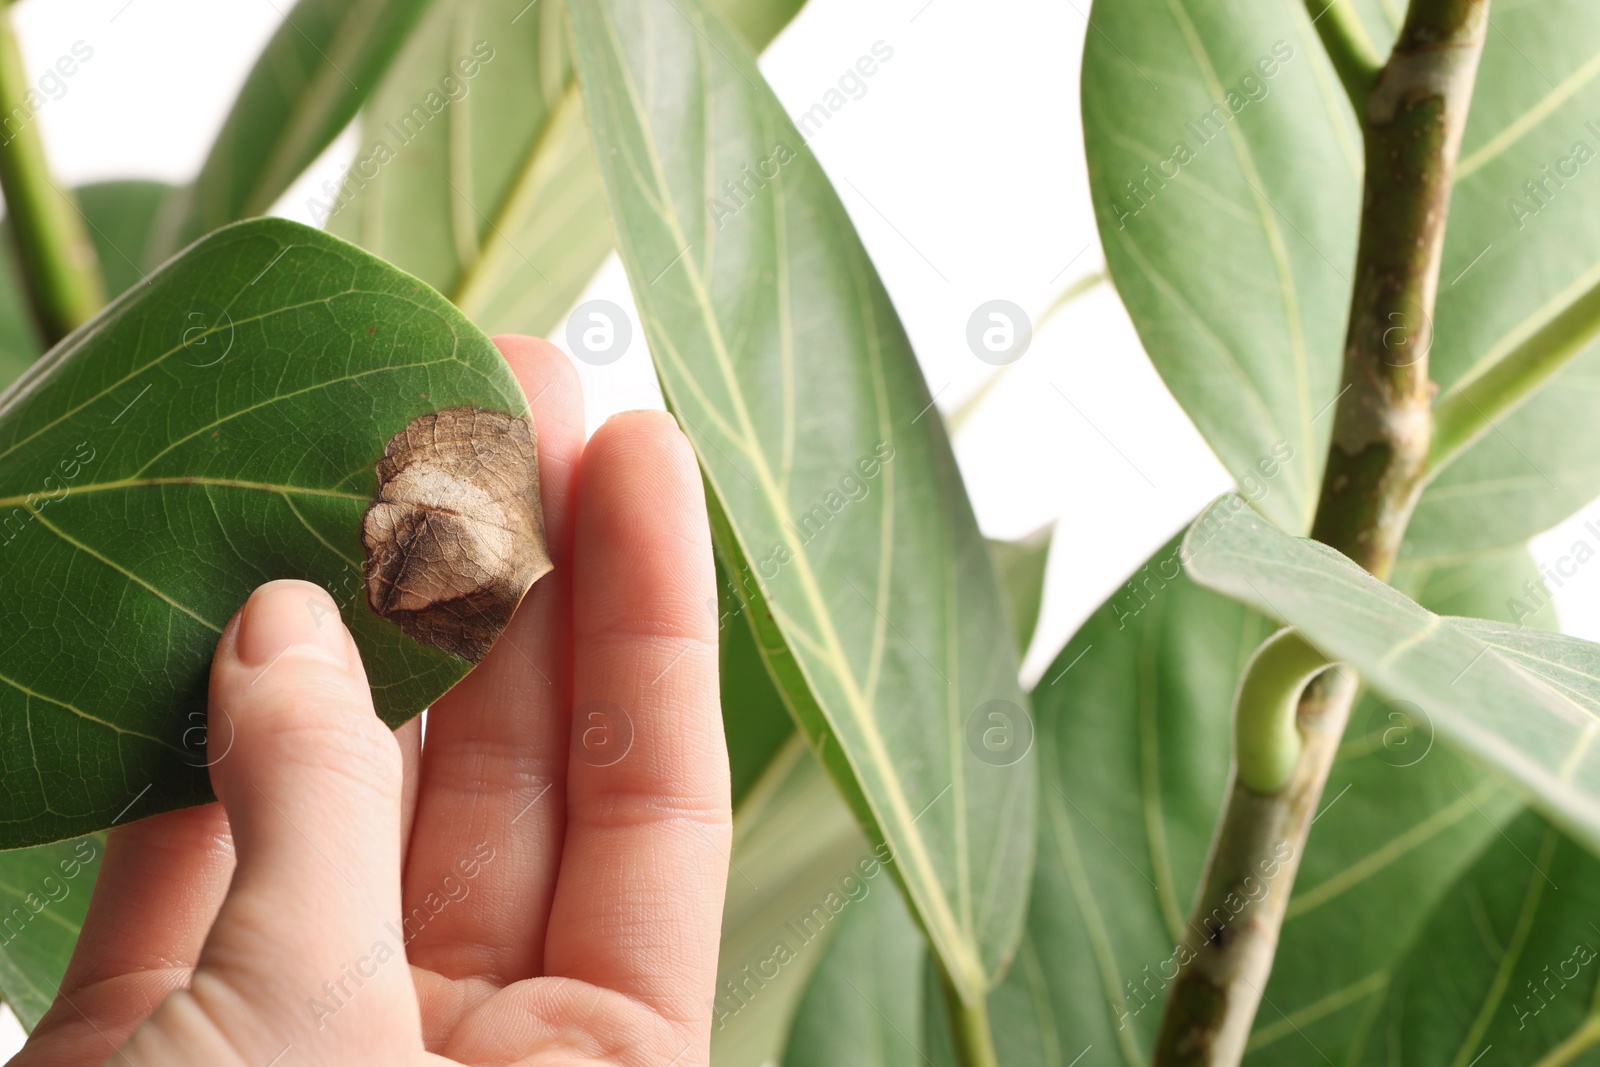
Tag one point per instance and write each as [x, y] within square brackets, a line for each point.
[797, 856]
[1134, 731]
[19, 337]
[1232, 245]
[754, 719]
[122, 216]
[1507, 962]
[864, 1005]
[214, 428]
[323, 61]
[1524, 702]
[44, 894]
[841, 508]
[495, 201]
[1509, 269]
[1021, 565]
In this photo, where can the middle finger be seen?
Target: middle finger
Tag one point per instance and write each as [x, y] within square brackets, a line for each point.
[487, 835]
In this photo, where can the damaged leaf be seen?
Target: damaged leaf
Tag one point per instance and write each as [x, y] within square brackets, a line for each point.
[218, 426]
[455, 536]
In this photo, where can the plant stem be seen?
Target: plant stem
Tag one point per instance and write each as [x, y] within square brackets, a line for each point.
[59, 267]
[1470, 408]
[1345, 40]
[1412, 120]
[969, 1026]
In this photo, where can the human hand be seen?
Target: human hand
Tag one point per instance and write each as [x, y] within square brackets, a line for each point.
[553, 878]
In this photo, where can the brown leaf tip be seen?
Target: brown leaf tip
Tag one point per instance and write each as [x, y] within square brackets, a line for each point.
[455, 534]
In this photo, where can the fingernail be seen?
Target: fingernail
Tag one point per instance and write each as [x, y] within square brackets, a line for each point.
[290, 614]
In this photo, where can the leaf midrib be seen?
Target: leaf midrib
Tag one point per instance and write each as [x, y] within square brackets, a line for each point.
[226, 483]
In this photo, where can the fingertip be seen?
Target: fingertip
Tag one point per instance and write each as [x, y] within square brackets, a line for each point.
[660, 427]
[650, 445]
[290, 614]
[642, 510]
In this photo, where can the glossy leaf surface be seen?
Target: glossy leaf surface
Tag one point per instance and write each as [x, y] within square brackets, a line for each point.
[1523, 243]
[1224, 165]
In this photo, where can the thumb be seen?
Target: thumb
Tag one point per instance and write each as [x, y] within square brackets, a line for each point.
[307, 951]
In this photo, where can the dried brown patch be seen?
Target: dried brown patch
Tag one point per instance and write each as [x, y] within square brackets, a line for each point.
[455, 534]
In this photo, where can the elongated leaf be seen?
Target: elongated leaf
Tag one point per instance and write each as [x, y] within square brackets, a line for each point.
[1506, 970]
[1524, 702]
[864, 1005]
[44, 894]
[214, 428]
[1021, 565]
[862, 564]
[1224, 165]
[486, 189]
[325, 59]
[1134, 730]
[798, 859]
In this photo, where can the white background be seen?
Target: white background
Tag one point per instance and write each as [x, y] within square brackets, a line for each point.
[962, 166]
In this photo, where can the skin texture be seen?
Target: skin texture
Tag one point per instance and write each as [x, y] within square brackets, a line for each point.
[557, 887]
